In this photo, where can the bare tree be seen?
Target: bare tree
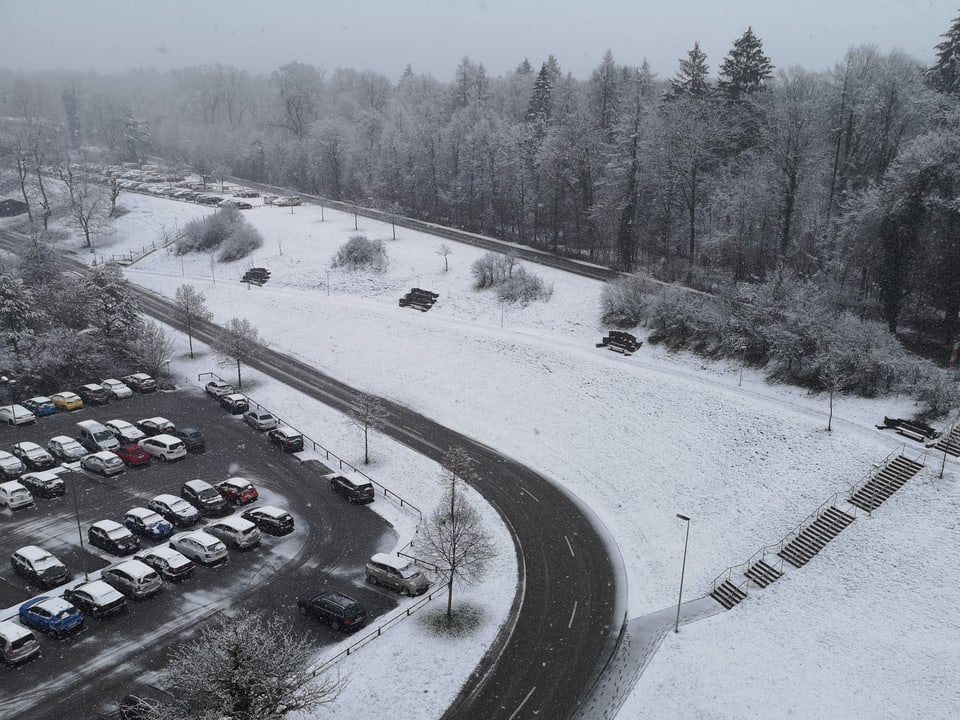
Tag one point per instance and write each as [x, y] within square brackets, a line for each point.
[457, 543]
[368, 414]
[836, 378]
[114, 194]
[153, 348]
[238, 343]
[248, 666]
[444, 251]
[19, 153]
[88, 205]
[192, 309]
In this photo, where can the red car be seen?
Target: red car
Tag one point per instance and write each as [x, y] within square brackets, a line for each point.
[238, 490]
[132, 455]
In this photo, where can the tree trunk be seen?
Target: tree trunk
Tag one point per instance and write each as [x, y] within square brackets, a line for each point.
[239, 380]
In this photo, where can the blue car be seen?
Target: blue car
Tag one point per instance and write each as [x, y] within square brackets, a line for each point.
[147, 524]
[40, 406]
[52, 615]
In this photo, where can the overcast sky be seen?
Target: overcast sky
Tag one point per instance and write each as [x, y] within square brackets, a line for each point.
[434, 35]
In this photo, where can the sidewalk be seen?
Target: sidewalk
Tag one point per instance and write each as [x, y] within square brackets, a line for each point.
[641, 640]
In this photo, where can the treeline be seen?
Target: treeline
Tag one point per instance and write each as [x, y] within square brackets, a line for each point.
[845, 179]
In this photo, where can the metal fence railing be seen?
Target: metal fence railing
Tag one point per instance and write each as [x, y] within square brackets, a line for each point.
[329, 455]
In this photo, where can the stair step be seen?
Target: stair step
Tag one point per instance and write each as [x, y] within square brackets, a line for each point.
[763, 574]
[728, 594]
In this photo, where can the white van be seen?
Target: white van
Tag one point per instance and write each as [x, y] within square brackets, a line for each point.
[95, 436]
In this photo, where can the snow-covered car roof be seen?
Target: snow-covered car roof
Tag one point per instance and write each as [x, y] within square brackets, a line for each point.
[270, 511]
[100, 591]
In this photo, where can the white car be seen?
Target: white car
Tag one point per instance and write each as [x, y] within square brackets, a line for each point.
[125, 432]
[103, 462]
[216, 388]
[200, 547]
[65, 449]
[10, 466]
[175, 509]
[117, 389]
[16, 415]
[164, 447]
[260, 419]
[13, 495]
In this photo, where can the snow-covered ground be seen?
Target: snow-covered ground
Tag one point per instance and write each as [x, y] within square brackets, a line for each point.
[868, 629]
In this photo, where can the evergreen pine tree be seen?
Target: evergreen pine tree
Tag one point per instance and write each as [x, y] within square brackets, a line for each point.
[541, 103]
[746, 69]
[691, 78]
[944, 76]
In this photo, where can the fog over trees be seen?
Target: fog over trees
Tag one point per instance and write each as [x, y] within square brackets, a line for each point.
[729, 175]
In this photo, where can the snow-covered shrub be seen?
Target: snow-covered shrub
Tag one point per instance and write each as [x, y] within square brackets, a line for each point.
[524, 287]
[241, 242]
[359, 252]
[624, 301]
[490, 270]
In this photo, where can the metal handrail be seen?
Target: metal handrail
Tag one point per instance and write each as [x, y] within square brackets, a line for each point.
[831, 502]
[317, 447]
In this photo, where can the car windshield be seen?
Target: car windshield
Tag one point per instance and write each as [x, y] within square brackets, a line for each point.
[408, 571]
[103, 435]
[118, 533]
[181, 506]
[64, 614]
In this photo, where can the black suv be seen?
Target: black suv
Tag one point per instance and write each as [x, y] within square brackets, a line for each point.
[205, 498]
[192, 438]
[356, 489]
[341, 611]
[235, 403]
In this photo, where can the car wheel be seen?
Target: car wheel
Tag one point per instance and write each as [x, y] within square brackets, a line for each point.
[302, 610]
[162, 458]
[371, 579]
[404, 591]
[335, 625]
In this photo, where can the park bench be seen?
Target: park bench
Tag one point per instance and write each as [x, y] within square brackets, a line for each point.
[256, 276]
[419, 299]
[621, 342]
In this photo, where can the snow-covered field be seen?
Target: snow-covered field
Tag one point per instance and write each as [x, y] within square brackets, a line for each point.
[868, 629]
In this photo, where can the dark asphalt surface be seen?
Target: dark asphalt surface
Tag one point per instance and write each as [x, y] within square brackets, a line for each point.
[569, 610]
[81, 677]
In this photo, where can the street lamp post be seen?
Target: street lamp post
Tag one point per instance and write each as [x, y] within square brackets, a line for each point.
[683, 567]
[8, 383]
[76, 510]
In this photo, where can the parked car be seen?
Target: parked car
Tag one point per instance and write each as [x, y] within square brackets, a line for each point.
[96, 436]
[117, 389]
[67, 400]
[246, 194]
[286, 439]
[43, 483]
[14, 495]
[205, 498]
[65, 449]
[113, 537]
[155, 426]
[259, 419]
[140, 382]
[176, 510]
[10, 466]
[270, 519]
[105, 463]
[238, 490]
[192, 438]
[171, 564]
[16, 415]
[341, 611]
[235, 531]
[164, 447]
[33, 456]
[287, 201]
[219, 388]
[39, 567]
[93, 394]
[201, 547]
[17, 643]
[96, 598]
[52, 615]
[355, 488]
[238, 204]
[397, 573]
[40, 406]
[125, 432]
[133, 578]
[147, 524]
[235, 403]
[133, 455]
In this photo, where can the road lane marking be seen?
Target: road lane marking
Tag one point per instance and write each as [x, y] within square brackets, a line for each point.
[572, 615]
[535, 499]
[524, 702]
[572, 553]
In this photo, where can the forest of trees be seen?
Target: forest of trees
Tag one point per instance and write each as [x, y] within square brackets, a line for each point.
[731, 173]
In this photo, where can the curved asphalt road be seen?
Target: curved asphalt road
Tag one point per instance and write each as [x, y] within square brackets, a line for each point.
[570, 606]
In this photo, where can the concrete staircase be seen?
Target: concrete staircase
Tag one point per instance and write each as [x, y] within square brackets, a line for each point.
[763, 574]
[728, 594]
[949, 442]
[814, 537]
[885, 483]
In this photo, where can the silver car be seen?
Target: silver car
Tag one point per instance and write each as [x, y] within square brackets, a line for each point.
[200, 547]
[241, 534]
